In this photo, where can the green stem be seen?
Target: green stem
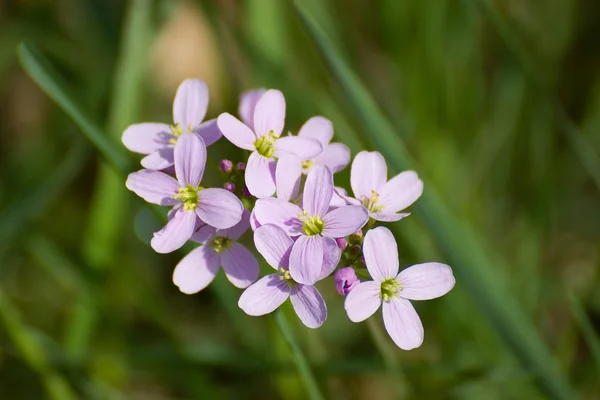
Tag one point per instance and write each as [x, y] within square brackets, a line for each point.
[299, 359]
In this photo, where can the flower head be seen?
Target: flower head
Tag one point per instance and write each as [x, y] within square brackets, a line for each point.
[218, 248]
[158, 140]
[335, 156]
[266, 295]
[215, 207]
[345, 280]
[394, 290]
[264, 140]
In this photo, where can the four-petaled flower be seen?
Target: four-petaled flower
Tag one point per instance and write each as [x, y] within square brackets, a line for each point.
[215, 207]
[268, 293]
[316, 225]
[265, 142]
[158, 140]
[394, 290]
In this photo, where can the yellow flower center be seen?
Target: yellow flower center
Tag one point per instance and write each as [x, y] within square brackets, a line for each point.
[371, 203]
[390, 288]
[308, 164]
[188, 195]
[177, 131]
[264, 144]
[311, 225]
[221, 243]
[284, 275]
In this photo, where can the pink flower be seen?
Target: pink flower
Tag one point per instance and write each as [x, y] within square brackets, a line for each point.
[158, 140]
[266, 295]
[219, 248]
[216, 207]
[315, 253]
[382, 198]
[345, 280]
[335, 156]
[264, 140]
[394, 290]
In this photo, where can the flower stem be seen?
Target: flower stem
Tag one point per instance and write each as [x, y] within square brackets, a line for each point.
[301, 362]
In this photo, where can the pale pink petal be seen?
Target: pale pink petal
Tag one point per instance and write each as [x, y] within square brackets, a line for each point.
[254, 224]
[219, 208]
[336, 156]
[175, 233]
[318, 128]
[190, 159]
[309, 305]
[209, 132]
[191, 102]
[202, 232]
[248, 102]
[196, 270]
[344, 221]
[236, 231]
[153, 186]
[381, 254]
[331, 257]
[159, 159]
[306, 259]
[279, 212]
[236, 132]
[274, 245]
[363, 301]
[260, 175]
[401, 191]
[269, 114]
[388, 217]
[426, 281]
[146, 137]
[306, 149]
[240, 265]
[369, 173]
[318, 190]
[264, 296]
[287, 177]
[402, 323]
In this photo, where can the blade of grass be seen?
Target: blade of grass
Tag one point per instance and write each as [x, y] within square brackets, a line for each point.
[40, 70]
[461, 246]
[590, 336]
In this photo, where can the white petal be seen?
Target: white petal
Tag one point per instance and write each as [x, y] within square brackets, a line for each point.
[363, 301]
[381, 254]
[196, 270]
[264, 296]
[426, 281]
[309, 305]
[402, 323]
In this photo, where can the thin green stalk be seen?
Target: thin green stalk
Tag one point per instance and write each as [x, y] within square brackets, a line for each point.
[590, 336]
[300, 360]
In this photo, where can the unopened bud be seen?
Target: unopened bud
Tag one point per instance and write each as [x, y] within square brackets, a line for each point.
[230, 187]
[342, 243]
[226, 166]
[356, 237]
[345, 280]
[241, 166]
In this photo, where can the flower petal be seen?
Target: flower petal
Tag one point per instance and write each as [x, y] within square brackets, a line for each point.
[344, 221]
[426, 281]
[260, 175]
[402, 323]
[318, 190]
[274, 245]
[153, 186]
[306, 259]
[209, 132]
[388, 217]
[146, 137]
[190, 104]
[401, 191]
[190, 159]
[219, 208]
[305, 148]
[240, 265]
[381, 254]
[247, 106]
[236, 132]
[159, 159]
[287, 177]
[269, 114]
[335, 156]
[363, 301]
[202, 232]
[318, 128]
[196, 270]
[279, 212]
[369, 173]
[254, 224]
[309, 305]
[236, 231]
[175, 233]
[331, 257]
[264, 296]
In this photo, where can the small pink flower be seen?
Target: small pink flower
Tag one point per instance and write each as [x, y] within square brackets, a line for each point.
[266, 295]
[335, 156]
[265, 141]
[345, 280]
[158, 140]
[394, 290]
[219, 248]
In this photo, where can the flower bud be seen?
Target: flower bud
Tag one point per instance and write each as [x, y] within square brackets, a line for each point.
[241, 166]
[230, 187]
[355, 250]
[342, 243]
[246, 192]
[345, 280]
[226, 166]
[356, 237]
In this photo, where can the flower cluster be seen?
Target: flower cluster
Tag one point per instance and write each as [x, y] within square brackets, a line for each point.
[303, 226]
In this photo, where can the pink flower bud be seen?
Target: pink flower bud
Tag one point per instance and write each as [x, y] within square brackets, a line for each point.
[229, 187]
[342, 243]
[241, 166]
[226, 166]
[345, 280]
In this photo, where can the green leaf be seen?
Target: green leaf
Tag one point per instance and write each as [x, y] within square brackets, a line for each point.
[461, 245]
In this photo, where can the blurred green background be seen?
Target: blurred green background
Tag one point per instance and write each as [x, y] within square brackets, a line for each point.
[495, 103]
